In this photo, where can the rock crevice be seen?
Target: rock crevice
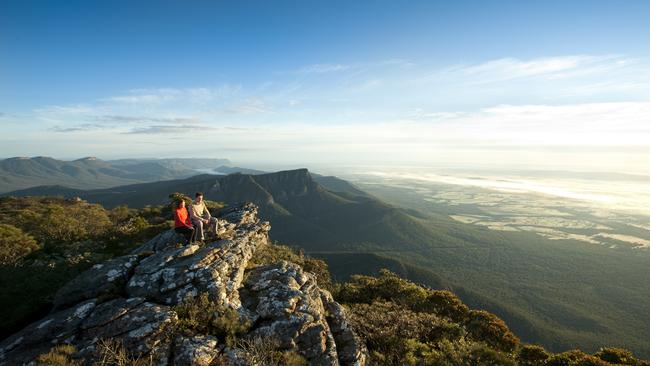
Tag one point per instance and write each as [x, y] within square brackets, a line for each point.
[130, 300]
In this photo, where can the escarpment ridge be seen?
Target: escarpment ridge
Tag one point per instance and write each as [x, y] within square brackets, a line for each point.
[134, 301]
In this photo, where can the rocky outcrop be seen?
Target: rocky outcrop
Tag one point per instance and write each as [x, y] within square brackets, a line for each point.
[130, 300]
[286, 303]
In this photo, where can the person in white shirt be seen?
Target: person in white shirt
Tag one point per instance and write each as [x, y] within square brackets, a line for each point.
[201, 218]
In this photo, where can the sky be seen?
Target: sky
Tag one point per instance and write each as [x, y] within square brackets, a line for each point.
[540, 84]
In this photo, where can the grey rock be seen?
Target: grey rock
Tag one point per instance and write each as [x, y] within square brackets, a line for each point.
[109, 311]
[162, 241]
[129, 300]
[107, 278]
[195, 351]
[350, 347]
[42, 335]
[289, 307]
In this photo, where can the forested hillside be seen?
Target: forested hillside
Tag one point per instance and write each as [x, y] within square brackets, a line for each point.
[556, 293]
[47, 241]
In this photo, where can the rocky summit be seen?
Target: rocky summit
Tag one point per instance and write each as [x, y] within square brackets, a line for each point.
[133, 300]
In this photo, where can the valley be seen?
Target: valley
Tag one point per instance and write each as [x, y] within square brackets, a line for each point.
[561, 293]
[511, 205]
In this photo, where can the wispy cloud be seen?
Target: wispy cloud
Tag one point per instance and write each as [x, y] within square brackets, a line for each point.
[323, 68]
[169, 129]
[594, 124]
[78, 109]
[505, 69]
[331, 68]
[77, 128]
[165, 95]
[250, 106]
[144, 119]
[116, 122]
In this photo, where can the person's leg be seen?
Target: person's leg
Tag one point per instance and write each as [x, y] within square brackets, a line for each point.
[186, 232]
[214, 226]
[192, 236]
[198, 228]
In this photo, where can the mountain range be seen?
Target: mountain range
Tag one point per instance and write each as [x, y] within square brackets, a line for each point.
[561, 294]
[90, 172]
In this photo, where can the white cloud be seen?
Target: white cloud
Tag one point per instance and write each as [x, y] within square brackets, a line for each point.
[323, 68]
[509, 68]
[53, 110]
[250, 106]
[171, 129]
[592, 124]
[369, 111]
[165, 95]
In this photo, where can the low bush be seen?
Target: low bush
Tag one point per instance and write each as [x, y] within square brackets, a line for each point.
[112, 353]
[15, 244]
[532, 355]
[487, 327]
[568, 358]
[201, 315]
[265, 351]
[274, 253]
[617, 355]
[389, 286]
[393, 333]
[60, 355]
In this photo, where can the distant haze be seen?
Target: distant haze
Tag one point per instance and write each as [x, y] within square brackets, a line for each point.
[614, 192]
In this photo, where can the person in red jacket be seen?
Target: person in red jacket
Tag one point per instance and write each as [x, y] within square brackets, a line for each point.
[182, 223]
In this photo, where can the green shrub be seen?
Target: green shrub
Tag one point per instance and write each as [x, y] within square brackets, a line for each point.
[487, 327]
[14, 244]
[568, 358]
[53, 221]
[274, 253]
[120, 214]
[290, 358]
[177, 196]
[483, 355]
[393, 333]
[113, 353]
[265, 351]
[532, 355]
[591, 361]
[389, 286]
[201, 315]
[617, 355]
[156, 214]
[60, 355]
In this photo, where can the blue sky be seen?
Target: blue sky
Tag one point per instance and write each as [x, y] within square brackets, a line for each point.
[313, 81]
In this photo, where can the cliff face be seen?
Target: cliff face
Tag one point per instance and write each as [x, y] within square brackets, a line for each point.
[132, 301]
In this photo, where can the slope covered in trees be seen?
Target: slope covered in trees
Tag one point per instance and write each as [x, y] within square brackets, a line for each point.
[402, 323]
[556, 293]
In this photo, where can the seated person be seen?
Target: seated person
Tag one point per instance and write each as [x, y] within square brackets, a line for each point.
[201, 218]
[182, 223]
